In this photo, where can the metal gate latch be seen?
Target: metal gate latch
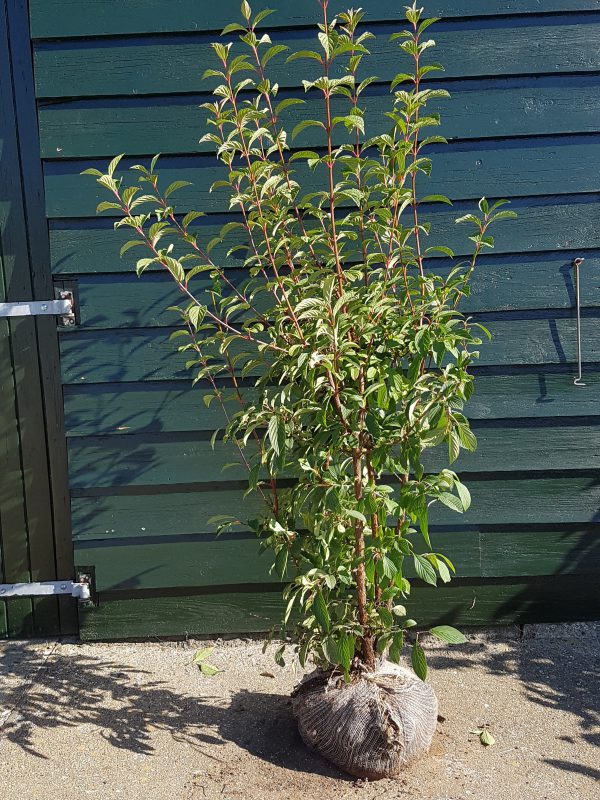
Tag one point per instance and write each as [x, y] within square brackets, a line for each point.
[63, 308]
[80, 590]
[576, 264]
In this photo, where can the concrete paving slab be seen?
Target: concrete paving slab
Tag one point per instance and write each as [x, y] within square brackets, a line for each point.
[139, 722]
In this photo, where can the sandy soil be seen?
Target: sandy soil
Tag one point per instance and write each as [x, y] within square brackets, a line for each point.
[139, 721]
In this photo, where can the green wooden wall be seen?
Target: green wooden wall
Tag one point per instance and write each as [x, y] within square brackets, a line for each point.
[524, 122]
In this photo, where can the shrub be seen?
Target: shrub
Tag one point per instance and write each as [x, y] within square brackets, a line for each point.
[346, 325]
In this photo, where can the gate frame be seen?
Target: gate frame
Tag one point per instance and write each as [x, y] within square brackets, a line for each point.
[35, 526]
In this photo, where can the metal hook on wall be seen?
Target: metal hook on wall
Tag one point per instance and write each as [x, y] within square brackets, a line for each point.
[577, 262]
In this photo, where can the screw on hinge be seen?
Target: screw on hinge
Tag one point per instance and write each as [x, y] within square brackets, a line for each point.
[86, 575]
[68, 319]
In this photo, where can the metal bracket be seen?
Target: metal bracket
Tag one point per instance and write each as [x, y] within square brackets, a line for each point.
[63, 307]
[69, 288]
[577, 262]
[80, 590]
[87, 575]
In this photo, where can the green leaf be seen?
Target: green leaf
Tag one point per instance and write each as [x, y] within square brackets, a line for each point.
[486, 738]
[453, 446]
[469, 218]
[422, 517]
[289, 607]
[352, 512]
[262, 15]
[330, 581]
[426, 23]
[452, 501]
[208, 669]
[388, 567]
[233, 27]
[467, 438]
[385, 616]
[425, 570]
[303, 652]
[220, 518]
[418, 661]
[443, 570]
[448, 634]
[395, 651]
[402, 77]
[304, 54]
[190, 217]
[172, 187]
[281, 560]
[289, 101]
[143, 263]
[273, 433]
[196, 315]
[464, 495]
[114, 164]
[440, 249]
[319, 608]
[504, 215]
[346, 650]
[272, 52]
[174, 268]
[304, 154]
[279, 656]
[203, 654]
[436, 198]
[331, 651]
[128, 245]
[105, 205]
[306, 123]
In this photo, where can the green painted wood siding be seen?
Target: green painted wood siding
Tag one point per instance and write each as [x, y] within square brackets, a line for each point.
[524, 122]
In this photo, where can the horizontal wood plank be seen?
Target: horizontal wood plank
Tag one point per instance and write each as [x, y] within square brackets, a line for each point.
[173, 125]
[76, 18]
[122, 409]
[184, 562]
[170, 459]
[463, 171]
[542, 600]
[528, 553]
[543, 225]
[148, 355]
[173, 64]
[508, 283]
[186, 510]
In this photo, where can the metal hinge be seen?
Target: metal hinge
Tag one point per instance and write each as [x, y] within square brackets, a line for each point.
[81, 589]
[63, 307]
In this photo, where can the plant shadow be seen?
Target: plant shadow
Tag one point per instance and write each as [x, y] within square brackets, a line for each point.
[558, 672]
[127, 706]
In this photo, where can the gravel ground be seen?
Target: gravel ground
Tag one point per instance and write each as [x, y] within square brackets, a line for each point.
[138, 721]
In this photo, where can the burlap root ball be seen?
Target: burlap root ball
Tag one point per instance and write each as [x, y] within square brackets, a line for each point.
[372, 727]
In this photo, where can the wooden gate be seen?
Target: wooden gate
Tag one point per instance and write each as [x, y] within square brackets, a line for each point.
[35, 541]
[114, 76]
